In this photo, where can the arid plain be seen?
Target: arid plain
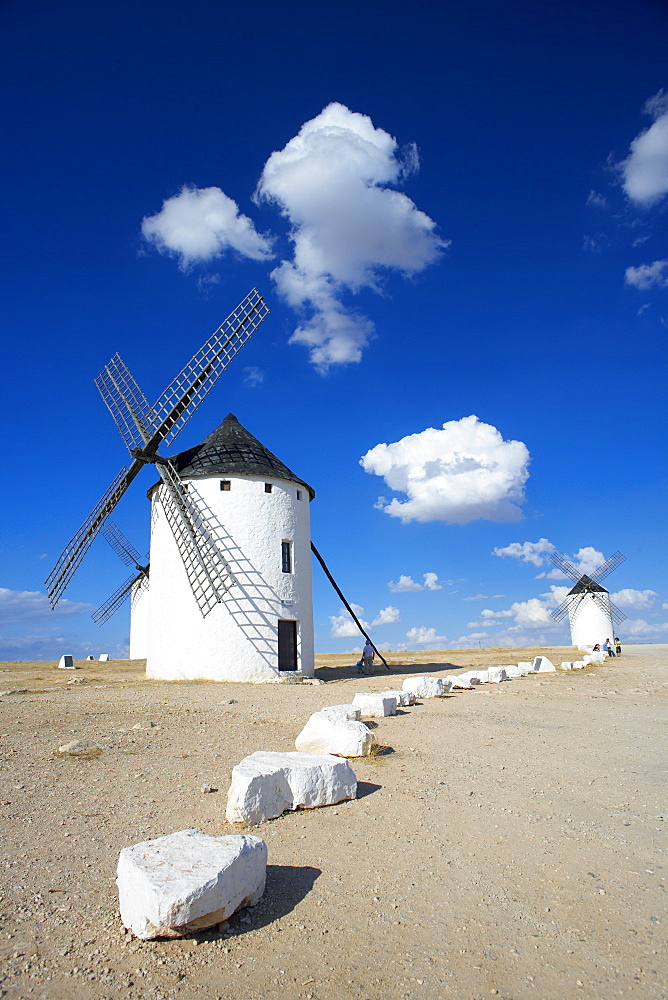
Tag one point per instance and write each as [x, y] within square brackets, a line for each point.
[508, 842]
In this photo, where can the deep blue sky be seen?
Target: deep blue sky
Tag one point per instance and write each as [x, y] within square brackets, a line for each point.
[521, 114]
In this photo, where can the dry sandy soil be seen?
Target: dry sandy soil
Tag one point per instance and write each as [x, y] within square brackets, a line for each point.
[510, 841]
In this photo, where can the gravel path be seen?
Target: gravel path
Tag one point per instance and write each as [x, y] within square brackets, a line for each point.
[509, 843]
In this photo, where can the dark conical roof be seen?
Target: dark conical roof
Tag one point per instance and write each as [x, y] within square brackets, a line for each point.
[232, 451]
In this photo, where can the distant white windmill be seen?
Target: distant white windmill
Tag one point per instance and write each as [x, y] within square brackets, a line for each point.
[590, 611]
[229, 595]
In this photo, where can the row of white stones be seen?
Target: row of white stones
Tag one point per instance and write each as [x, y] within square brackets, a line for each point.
[189, 880]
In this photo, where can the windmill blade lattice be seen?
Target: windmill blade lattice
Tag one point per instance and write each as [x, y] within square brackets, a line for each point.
[612, 563]
[76, 548]
[604, 602]
[127, 403]
[113, 603]
[566, 567]
[182, 396]
[208, 573]
[560, 613]
[121, 545]
[143, 428]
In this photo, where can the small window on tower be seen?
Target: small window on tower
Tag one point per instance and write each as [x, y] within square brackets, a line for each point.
[286, 557]
[225, 484]
[299, 494]
[268, 487]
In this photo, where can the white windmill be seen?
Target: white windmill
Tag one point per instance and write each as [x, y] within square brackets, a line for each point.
[229, 595]
[590, 611]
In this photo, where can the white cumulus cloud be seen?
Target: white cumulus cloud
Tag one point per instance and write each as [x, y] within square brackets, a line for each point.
[348, 226]
[648, 275]
[406, 583]
[531, 552]
[386, 616]
[459, 473]
[629, 598]
[198, 224]
[18, 606]
[420, 634]
[645, 170]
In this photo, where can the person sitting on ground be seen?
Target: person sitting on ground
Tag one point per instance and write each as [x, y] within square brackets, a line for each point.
[607, 648]
[367, 656]
[597, 648]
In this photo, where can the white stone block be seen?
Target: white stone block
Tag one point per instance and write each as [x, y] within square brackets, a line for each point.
[90, 657]
[267, 783]
[459, 682]
[479, 676]
[470, 677]
[527, 666]
[541, 665]
[515, 670]
[351, 712]
[566, 665]
[496, 674]
[333, 734]
[424, 687]
[404, 698]
[375, 706]
[66, 662]
[186, 881]
[104, 657]
[578, 664]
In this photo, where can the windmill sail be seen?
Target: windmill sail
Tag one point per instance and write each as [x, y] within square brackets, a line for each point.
[143, 429]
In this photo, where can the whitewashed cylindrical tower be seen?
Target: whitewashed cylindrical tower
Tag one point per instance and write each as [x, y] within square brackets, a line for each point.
[259, 511]
[590, 618]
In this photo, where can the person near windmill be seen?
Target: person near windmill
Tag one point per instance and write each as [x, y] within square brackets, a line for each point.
[367, 657]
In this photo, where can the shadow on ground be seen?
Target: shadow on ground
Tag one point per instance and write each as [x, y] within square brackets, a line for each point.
[343, 672]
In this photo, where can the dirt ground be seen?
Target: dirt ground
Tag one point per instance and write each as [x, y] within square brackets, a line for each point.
[510, 842]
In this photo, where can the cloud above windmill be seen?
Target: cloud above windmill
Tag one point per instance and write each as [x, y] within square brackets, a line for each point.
[586, 560]
[461, 472]
[200, 224]
[335, 185]
[645, 170]
[646, 276]
[406, 584]
[348, 225]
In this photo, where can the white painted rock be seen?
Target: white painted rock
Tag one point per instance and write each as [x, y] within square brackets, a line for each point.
[470, 677]
[458, 682]
[351, 712]
[325, 733]
[496, 674]
[186, 881]
[479, 676]
[578, 664]
[541, 665]
[527, 666]
[375, 706]
[566, 665]
[515, 670]
[403, 698]
[594, 658]
[267, 783]
[91, 657]
[66, 662]
[104, 657]
[424, 687]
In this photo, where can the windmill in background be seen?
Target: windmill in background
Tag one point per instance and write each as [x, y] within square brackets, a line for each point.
[591, 613]
[128, 554]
